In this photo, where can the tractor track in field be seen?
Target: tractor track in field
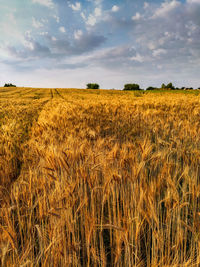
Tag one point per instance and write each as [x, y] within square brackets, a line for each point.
[59, 94]
[51, 96]
[20, 149]
[51, 93]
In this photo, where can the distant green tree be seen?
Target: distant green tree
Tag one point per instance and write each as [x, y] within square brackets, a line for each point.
[151, 88]
[9, 85]
[131, 87]
[170, 86]
[92, 86]
[163, 86]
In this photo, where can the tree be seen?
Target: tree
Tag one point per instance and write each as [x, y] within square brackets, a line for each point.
[163, 86]
[131, 87]
[92, 86]
[151, 88]
[9, 85]
[168, 86]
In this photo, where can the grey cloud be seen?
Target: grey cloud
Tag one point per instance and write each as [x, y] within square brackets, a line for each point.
[56, 52]
[56, 48]
[65, 47]
[67, 66]
[88, 42]
[175, 32]
[118, 58]
[36, 50]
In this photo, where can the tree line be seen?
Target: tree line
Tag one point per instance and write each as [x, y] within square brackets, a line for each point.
[130, 87]
[136, 87]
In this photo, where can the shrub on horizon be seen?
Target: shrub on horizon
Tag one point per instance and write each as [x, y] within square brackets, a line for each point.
[168, 86]
[152, 88]
[9, 85]
[92, 86]
[131, 87]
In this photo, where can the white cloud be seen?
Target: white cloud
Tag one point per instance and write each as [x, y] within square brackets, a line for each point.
[36, 23]
[56, 18]
[91, 21]
[78, 34]
[76, 6]
[43, 34]
[94, 17]
[28, 44]
[83, 16]
[165, 8]
[137, 16]
[97, 12]
[47, 3]
[62, 29]
[159, 52]
[137, 58]
[28, 34]
[151, 45]
[115, 8]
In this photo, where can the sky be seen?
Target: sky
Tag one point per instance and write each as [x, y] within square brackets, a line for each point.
[67, 43]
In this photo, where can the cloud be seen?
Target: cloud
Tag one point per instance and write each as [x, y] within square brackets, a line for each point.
[97, 12]
[138, 58]
[114, 57]
[88, 42]
[83, 15]
[166, 8]
[193, 1]
[56, 18]
[36, 23]
[137, 42]
[94, 17]
[32, 50]
[159, 52]
[62, 29]
[82, 43]
[47, 3]
[91, 20]
[115, 8]
[10, 29]
[76, 6]
[68, 66]
[168, 36]
[146, 5]
[137, 16]
[78, 34]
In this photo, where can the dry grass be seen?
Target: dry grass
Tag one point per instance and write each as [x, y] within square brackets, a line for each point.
[99, 178]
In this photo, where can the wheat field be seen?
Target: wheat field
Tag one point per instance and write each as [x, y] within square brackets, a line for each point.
[99, 178]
